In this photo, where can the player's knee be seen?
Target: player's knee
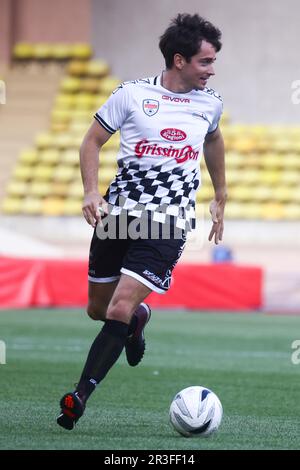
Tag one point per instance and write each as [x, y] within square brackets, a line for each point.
[96, 312]
[121, 310]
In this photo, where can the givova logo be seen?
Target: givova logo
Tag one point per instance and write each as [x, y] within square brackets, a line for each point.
[2, 352]
[2, 92]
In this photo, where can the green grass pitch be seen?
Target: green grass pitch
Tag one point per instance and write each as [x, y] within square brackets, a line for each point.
[244, 358]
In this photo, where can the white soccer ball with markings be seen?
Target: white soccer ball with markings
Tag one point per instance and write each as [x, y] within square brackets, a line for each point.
[196, 412]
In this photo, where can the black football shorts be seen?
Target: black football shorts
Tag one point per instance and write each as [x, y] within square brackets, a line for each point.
[149, 258]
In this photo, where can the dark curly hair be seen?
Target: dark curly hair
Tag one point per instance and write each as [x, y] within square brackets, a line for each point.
[185, 35]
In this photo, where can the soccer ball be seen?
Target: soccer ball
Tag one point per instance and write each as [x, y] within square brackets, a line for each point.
[196, 411]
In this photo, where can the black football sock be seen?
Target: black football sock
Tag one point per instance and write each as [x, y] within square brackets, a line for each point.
[104, 352]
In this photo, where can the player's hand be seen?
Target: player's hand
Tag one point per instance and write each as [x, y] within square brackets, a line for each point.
[216, 209]
[94, 207]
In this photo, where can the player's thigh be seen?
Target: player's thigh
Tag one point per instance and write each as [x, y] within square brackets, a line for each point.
[99, 297]
[129, 293]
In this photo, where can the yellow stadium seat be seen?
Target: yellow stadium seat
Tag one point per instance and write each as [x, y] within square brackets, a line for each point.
[258, 131]
[61, 115]
[22, 172]
[262, 193]
[99, 101]
[23, 51]
[81, 51]
[269, 177]
[282, 194]
[39, 189]
[28, 157]
[281, 144]
[241, 193]
[84, 101]
[82, 115]
[11, 205]
[253, 161]
[109, 84]
[238, 130]
[75, 190]
[44, 140]
[32, 205]
[70, 157]
[77, 68]
[42, 51]
[97, 68]
[59, 127]
[108, 158]
[77, 141]
[107, 174]
[65, 101]
[232, 176]
[250, 176]
[291, 177]
[113, 143]
[77, 177]
[291, 212]
[42, 172]
[78, 128]
[271, 161]
[205, 193]
[91, 85]
[72, 207]
[251, 211]
[103, 188]
[262, 145]
[61, 51]
[235, 159]
[234, 210]
[63, 141]
[272, 211]
[244, 144]
[59, 189]
[295, 145]
[70, 85]
[53, 206]
[291, 161]
[17, 188]
[63, 173]
[296, 194]
[49, 156]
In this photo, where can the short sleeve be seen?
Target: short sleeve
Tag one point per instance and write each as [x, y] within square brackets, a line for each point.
[217, 117]
[115, 110]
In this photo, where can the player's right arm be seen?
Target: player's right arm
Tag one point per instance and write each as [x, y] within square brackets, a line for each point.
[89, 165]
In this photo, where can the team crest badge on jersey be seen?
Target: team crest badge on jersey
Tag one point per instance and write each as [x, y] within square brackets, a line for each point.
[150, 107]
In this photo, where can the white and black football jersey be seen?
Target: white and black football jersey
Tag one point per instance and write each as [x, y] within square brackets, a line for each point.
[162, 136]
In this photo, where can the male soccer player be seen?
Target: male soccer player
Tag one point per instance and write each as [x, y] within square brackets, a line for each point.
[166, 122]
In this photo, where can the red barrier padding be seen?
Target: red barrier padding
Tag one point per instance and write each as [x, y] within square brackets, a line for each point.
[216, 286]
[40, 283]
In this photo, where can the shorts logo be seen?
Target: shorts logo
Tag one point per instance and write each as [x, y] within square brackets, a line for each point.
[172, 134]
[167, 281]
[155, 279]
[150, 107]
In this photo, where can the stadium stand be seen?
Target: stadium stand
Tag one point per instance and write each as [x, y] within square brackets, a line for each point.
[46, 174]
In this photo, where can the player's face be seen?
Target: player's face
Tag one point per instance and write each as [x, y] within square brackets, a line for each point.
[200, 68]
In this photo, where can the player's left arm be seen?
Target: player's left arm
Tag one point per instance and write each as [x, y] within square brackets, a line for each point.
[214, 155]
